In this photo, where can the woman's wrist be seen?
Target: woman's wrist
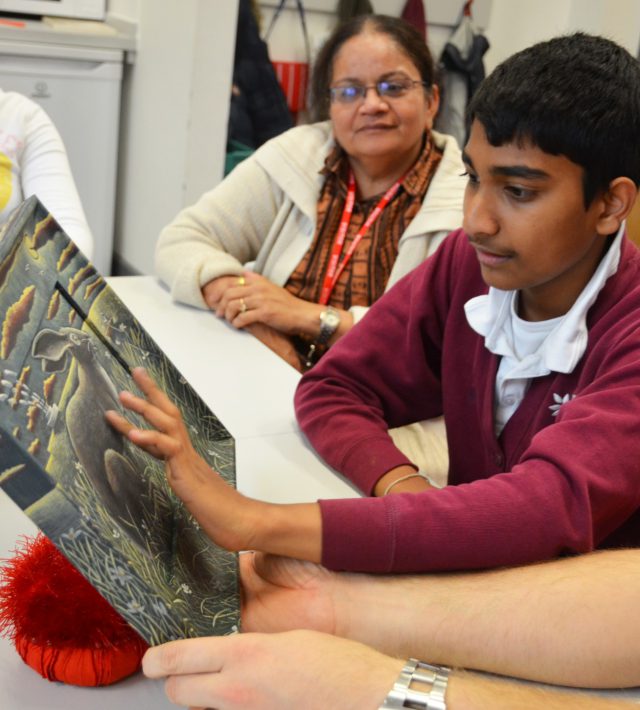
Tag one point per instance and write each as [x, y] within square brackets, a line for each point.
[310, 322]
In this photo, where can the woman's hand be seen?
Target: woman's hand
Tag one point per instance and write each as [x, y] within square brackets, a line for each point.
[296, 669]
[229, 518]
[251, 298]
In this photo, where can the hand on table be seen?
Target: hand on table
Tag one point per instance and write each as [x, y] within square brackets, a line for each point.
[295, 669]
[252, 298]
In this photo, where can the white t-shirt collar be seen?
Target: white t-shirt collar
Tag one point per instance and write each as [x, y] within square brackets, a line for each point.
[490, 316]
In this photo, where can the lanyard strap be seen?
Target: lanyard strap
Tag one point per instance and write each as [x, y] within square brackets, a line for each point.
[336, 267]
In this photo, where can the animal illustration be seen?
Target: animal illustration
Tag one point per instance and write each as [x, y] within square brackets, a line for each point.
[98, 448]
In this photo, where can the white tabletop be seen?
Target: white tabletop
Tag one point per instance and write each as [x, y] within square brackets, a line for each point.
[251, 390]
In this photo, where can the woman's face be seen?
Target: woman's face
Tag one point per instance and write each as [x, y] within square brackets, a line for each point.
[373, 127]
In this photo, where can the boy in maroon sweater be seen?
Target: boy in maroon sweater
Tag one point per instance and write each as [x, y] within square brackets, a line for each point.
[522, 330]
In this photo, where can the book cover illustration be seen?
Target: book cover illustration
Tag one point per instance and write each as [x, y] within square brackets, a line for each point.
[67, 347]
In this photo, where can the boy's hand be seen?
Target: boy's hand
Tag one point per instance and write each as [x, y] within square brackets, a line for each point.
[229, 518]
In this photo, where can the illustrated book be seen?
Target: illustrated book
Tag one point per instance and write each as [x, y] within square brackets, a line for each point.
[68, 345]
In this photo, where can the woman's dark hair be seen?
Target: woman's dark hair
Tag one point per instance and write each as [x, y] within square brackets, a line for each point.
[408, 39]
[577, 96]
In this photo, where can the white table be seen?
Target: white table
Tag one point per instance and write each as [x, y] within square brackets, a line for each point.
[251, 390]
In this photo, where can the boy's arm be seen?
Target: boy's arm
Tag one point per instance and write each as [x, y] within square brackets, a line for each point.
[385, 373]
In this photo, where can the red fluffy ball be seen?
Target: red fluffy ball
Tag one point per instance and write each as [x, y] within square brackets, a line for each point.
[59, 623]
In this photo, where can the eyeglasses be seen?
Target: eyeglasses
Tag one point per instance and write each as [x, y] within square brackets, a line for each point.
[385, 88]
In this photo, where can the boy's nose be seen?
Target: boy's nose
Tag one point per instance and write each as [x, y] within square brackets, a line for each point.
[479, 217]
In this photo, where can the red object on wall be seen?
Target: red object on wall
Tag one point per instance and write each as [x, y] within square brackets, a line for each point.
[294, 79]
[60, 625]
[414, 13]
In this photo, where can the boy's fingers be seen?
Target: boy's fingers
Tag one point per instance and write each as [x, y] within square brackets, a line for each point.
[153, 393]
[151, 413]
[118, 422]
[156, 443]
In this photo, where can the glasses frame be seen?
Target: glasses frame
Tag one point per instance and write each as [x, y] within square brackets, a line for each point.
[364, 89]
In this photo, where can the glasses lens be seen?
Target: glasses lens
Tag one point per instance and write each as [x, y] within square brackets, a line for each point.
[347, 94]
[393, 89]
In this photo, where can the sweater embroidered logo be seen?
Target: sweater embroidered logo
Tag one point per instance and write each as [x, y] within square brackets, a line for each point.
[559, 400]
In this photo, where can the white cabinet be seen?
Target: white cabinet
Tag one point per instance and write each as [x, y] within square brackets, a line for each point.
[79, 87]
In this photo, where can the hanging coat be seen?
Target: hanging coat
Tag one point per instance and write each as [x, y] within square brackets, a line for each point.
[462, 71]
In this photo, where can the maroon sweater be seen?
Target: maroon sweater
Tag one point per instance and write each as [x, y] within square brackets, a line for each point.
[548, 485]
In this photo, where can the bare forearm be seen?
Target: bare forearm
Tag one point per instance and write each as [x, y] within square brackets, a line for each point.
[288, 530]
[468, 691]
[570, 622]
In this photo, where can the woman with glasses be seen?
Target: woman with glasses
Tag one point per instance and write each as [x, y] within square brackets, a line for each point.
[333, 213]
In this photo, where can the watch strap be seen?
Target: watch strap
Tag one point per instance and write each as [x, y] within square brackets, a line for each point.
[402, 695]
[329, 322]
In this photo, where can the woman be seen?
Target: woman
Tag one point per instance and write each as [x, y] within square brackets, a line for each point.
[284, 206]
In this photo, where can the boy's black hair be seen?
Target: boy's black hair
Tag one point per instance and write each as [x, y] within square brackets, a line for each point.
[577, 96]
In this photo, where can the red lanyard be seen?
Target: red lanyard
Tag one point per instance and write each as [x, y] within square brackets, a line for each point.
[335, 269]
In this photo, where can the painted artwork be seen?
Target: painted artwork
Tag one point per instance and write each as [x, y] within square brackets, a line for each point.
[67, 347]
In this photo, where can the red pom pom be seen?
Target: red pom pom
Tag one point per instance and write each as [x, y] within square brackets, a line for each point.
[61, 626]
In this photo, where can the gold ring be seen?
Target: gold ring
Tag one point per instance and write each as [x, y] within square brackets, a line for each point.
[242, 281]
[243, 306]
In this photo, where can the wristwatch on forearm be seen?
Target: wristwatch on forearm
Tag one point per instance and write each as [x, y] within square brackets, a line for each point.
[404, 695]
[329, 323]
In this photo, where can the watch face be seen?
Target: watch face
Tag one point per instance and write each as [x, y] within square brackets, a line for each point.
[329, 322]
[331, 319]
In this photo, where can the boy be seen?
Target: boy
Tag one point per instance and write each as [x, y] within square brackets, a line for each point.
[539, 380]
[522, 329]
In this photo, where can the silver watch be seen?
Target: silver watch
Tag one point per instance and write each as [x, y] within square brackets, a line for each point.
[402, 695]
[329, 322]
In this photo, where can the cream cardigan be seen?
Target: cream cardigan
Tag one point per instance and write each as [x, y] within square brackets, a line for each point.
[265, 212]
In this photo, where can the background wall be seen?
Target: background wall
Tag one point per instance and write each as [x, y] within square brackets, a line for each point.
[286, 41]
[175, 107]
[174, 116]
[516, 24]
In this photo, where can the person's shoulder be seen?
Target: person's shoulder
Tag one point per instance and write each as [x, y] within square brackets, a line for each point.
[448, 145]
[299, 139]
[627, 276]
[446, 190]
[17, 105]
[294, 159]
[615, 316]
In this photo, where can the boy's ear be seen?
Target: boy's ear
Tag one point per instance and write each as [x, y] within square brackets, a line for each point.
[617, 203]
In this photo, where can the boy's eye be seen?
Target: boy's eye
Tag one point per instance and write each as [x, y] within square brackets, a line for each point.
[520, 193]
[471, 178]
